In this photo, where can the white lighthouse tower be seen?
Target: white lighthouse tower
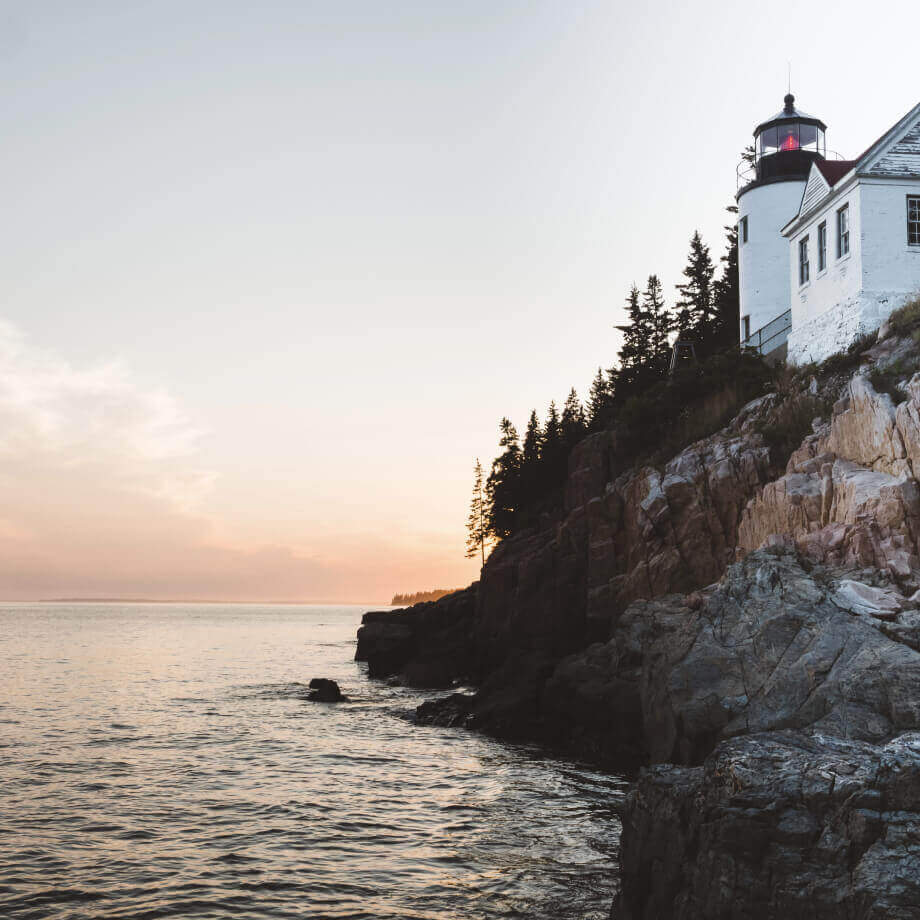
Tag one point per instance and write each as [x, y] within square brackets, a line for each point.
[785, 146]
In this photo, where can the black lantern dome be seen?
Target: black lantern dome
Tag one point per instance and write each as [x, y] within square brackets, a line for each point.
[787, 144]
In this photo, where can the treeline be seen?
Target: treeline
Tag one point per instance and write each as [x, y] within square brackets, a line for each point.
[526, 476]
[419, 597]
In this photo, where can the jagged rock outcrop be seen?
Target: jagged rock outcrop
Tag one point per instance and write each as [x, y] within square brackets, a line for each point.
[427, 645]
[654, 531]
[779, 825]
[774, 646]
[849, 496]
[772, 825]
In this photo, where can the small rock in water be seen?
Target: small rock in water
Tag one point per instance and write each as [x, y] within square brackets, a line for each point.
[323, 690]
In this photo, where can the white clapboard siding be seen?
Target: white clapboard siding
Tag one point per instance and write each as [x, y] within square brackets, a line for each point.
[816, 189]
[902, 158]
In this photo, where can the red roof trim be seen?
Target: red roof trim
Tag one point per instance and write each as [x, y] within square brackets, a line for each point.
[834, 170]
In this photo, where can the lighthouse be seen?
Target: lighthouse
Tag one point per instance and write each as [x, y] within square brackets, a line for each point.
[785, 147]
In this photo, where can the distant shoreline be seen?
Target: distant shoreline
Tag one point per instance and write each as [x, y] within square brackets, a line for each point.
[149, 600]
[421, 597]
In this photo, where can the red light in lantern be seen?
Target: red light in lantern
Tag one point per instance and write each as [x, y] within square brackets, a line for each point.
[790, 143]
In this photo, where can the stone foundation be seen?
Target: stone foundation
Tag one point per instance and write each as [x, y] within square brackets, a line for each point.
[835, 329]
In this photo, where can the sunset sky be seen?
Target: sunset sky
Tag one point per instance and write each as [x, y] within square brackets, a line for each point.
[273, 272]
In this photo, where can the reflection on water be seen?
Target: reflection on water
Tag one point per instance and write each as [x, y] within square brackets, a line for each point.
[162, 761]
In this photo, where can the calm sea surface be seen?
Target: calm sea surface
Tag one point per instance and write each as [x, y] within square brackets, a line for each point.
[162, 761]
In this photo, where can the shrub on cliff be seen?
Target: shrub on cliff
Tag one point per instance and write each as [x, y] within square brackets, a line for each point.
[886, 379]
[789, 423]
[906, 320]
[692, 404]
[843, 361]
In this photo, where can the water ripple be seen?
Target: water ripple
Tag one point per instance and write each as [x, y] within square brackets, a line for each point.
[168, 764]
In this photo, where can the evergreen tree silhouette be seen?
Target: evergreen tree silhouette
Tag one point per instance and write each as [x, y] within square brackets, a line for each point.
[530, 461]
[661, 324]
[600, 399]
[504, 484]
[632, 373]
[574, 424]
[552, 430]
[727, 290]
[533, 440]
[476, 527]
[635, 350]
[553, 454]
[695, 314]
[749, 156]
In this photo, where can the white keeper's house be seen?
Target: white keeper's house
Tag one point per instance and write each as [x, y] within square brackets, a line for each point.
[827, 247]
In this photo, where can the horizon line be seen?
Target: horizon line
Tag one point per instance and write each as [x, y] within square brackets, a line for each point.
[149, 600]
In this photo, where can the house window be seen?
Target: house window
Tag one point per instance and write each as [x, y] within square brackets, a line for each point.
[804, 273]
[745, 328]
[843, 231]
[913, 220]
[822, 246]
[743, 227]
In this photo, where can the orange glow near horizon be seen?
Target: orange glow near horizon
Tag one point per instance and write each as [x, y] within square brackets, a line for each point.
[277, 271]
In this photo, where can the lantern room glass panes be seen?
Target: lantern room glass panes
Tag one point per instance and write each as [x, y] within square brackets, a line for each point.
[789, 136]
[808, 137]
[793, 135]
[767, 143]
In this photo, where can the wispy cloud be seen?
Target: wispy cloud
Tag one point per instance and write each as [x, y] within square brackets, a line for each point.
[101, 494]
[100, 486]
[98, 417]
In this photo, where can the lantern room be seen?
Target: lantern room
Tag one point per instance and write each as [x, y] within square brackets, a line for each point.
[786, 145]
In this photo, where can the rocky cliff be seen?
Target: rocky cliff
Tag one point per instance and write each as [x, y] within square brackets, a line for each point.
[647, 532]
[744, 622]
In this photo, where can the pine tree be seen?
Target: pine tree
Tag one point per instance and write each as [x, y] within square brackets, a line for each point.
[695, 313]
[748, 156]
[635, 349]
[553, 454]
[503, 486]
[476, 522]
[574, 424]
[552, 430]
[727, 289]
[533, 440]
[600, 399]
[661, 325]
[530, 461]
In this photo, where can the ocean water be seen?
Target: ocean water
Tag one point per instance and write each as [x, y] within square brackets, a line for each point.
[162, 761]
